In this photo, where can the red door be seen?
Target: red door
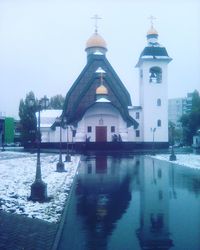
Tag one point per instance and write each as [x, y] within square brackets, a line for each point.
[101, 134]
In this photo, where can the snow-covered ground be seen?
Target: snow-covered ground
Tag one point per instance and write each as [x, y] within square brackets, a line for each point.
[17, 173]
[188, 160]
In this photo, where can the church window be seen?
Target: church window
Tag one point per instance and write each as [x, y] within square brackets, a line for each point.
[112, 129]
[155, 75]
[159, 123]
[158, 102]
[89, 129]
[137, 133]
[137, 115]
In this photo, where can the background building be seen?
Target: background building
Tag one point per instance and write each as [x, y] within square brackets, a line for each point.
[175, 111]
[178, 107]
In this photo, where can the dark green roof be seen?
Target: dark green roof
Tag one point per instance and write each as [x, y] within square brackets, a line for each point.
[82, 94]
[154, 51]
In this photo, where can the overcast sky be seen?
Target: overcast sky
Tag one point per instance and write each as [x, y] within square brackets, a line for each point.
[42, 44]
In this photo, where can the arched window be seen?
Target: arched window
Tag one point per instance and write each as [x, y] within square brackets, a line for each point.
[159, 123]
[155, 75]
[158, 102]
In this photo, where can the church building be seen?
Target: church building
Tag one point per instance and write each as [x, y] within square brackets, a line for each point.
[98, 107]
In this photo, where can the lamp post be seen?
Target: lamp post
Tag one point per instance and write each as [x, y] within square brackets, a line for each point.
[153, 130]
[65, 125]
[72, 148]
[172, 157]
[60, 164]
[39, 188]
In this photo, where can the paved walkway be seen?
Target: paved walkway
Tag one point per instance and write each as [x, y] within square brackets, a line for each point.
[21, 233]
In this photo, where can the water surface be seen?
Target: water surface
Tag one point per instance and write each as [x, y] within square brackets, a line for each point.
[133, 202]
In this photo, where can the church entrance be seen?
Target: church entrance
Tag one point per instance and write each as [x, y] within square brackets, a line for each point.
[101, 134]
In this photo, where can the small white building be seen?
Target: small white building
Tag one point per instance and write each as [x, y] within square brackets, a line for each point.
[47, 120]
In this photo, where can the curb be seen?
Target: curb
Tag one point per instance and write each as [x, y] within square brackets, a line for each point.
[64, 214]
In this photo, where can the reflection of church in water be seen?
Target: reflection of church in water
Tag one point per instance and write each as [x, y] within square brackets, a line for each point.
[104, 194]
[98, 107]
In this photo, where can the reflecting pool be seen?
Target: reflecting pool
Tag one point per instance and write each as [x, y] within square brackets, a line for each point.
[133, 202]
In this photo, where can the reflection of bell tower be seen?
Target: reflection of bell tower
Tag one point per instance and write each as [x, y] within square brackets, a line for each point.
[152, 66]
[154, 221]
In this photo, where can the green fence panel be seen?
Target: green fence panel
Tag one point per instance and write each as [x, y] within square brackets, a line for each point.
[9, 130]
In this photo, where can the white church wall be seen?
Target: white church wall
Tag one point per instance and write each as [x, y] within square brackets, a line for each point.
[135, 135]
[80, 132]
[101, 114]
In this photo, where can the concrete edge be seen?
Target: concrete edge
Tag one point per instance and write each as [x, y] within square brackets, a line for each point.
[64, 213]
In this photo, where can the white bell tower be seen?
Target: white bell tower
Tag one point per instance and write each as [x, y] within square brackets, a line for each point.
[152, 64]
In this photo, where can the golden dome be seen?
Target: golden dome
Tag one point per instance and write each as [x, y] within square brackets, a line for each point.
[96, 41]
[152, 31]
[101, 90]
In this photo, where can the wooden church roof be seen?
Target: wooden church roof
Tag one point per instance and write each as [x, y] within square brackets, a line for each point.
[82, 94]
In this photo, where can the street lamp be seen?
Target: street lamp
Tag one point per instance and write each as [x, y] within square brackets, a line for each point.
[60, 165]
[172, 157]
[72, 147]
[153, 130]
[39, 188]
[65, 125]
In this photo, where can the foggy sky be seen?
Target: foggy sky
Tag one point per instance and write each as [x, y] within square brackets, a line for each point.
[42, 44]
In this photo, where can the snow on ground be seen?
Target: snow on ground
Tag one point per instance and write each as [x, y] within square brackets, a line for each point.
[17, 173]
[188, 160]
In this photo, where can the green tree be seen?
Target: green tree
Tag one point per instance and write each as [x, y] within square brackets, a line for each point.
[56, 102]
[175, 134]
[28, 118]
[191, 121]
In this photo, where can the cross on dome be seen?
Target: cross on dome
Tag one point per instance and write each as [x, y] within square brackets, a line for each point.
[152, 30]
[96, 18]
[101, 72]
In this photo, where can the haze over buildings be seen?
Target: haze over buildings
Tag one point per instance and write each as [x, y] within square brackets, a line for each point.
[42, 44]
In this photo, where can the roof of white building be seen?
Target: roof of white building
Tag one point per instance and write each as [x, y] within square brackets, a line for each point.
[48, 116]
[51, 113]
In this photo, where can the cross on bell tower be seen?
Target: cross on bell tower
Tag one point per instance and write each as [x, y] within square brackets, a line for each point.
[152, 18]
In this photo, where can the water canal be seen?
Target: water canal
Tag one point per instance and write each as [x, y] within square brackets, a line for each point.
[131, 203]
